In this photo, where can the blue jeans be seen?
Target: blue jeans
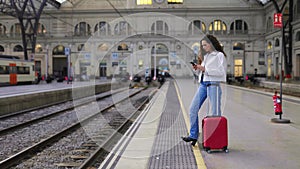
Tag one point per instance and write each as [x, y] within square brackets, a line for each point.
[205, 89]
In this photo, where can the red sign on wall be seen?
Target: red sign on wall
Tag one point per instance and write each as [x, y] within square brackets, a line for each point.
[277, 20]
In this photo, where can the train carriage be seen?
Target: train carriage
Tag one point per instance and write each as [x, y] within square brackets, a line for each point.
[14, 70]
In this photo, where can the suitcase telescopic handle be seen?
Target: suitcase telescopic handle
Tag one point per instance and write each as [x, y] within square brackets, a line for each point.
[217, 99]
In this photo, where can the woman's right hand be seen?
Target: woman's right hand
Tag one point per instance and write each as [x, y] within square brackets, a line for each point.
[195, 66]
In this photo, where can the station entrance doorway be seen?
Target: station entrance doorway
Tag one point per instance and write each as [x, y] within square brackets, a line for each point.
[238, 68]
[102, 70]
[160, 57]
[60, 66]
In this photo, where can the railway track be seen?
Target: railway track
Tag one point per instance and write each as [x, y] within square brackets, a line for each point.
[16, 121]
[116, 124]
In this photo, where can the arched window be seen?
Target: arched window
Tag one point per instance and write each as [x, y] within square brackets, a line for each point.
[123, 28]
[103, 47]
[59, 50]
[277, 43]
[160, 49]
[18, 48]
[83, 29]
[144, 2]
[217, 27]
[102, 29]
[160, 27]
[41, 29]
[1, 48]
[80, 47]
[238, 46]
[197, 27]
[196, 48]
[15, 30]
[2, 30]
[123, 46]
[298, 36]
[239, 27]
[38, 48]
[270, 46]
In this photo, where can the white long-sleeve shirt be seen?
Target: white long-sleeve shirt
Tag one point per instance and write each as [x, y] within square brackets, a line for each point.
[215, 67]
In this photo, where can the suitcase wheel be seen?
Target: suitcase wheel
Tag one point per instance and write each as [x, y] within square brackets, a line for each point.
[226, 150]
[207, 149]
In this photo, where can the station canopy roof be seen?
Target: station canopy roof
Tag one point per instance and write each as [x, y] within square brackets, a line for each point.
[262, 2]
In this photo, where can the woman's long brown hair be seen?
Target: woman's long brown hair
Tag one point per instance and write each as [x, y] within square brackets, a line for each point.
[214, 42]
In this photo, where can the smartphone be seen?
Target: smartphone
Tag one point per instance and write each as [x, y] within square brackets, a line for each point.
[193, 63]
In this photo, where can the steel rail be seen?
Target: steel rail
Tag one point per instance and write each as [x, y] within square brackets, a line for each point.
[28, 152]
[100, 150]
[41, 118]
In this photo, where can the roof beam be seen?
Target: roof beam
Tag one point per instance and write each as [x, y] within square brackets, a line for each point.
[28, 13]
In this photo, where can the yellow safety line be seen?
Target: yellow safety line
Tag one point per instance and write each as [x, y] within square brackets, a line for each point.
[196, 149]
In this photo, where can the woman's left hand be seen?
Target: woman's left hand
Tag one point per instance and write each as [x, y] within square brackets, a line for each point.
[202, 68]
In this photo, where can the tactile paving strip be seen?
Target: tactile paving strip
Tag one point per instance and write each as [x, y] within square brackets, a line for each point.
[169, 151]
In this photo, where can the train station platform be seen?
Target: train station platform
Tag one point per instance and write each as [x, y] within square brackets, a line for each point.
[154, 140]
[7, 91]
[255, 142]
[20, 98]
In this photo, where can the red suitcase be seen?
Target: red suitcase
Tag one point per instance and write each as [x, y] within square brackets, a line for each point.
[214, 133]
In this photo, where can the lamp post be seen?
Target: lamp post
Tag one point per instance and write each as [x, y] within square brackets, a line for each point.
[154, 78]
[280, 119]
[278, 23]
[68, 55]
[69, 64]
[244, 61]
[47, 61]
[131, 59]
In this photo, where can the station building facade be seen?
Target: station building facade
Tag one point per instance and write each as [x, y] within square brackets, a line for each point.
[108, 38]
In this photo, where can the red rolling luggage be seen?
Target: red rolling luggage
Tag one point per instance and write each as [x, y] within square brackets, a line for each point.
[214, 132]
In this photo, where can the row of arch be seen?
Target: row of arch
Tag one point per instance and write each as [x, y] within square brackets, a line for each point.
[17, 48]
[16, 30]
[124, 28]
[60, 49]
[104, 47]
[277, 41]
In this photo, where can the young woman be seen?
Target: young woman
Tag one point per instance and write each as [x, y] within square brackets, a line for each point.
[213, 71]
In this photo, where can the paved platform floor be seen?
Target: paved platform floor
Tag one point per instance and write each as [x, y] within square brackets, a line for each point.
[254, 141]
[156, 143]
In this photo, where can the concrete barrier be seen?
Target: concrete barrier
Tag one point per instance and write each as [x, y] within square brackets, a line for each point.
[288, 88]
[20, 103]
